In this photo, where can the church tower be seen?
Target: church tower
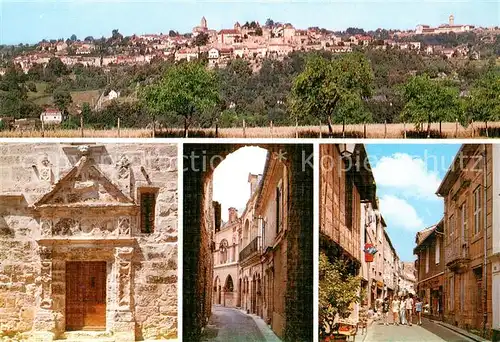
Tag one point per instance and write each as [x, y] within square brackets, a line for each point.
[451, 20]
[203, 23]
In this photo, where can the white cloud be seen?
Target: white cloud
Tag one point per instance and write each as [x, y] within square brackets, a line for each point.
[398, 213]
[231, 187]
[409, 175]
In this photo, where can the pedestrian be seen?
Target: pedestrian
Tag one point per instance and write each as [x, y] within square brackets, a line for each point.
[395, 310]
[409, 309]
[418, 309]
[385, 309]
[402, 310]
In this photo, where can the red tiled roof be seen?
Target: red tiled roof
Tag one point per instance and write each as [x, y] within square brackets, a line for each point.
[228, 31]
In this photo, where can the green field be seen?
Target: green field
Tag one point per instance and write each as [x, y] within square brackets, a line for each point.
[79, 97]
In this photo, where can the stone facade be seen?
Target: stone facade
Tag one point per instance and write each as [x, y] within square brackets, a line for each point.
[226, 261]
[468, 192]
[430, 269]
[76, 206]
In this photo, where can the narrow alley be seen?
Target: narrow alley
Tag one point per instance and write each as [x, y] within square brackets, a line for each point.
[229, 324]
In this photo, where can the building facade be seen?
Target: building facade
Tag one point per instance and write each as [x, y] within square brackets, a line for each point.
[430, 269]
[225, 256]
[468, 192]
[88, 237]
[344, 185]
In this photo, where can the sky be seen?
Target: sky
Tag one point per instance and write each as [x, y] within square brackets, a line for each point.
[407, 178]
[230, 179]
[29, 21]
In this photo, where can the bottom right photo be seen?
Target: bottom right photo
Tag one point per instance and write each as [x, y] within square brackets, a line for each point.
[409, 242]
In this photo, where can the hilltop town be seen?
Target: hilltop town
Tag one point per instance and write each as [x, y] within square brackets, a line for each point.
[251, 41]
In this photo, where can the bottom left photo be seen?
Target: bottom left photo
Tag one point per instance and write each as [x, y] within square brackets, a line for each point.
[88, 241]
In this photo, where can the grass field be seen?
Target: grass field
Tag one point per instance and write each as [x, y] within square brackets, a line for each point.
[381, 131]
[79, 97]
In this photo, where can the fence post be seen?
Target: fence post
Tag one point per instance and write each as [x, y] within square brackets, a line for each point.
[43, 129]
[456, 128]
[296, 128]
[320, 129]
[440, 130]
[153, 132]
[385, 129]
[486, 124]
[343, 128]
[81, 125]
[364, 130]
[216, 129]
[404, 129]
[118, 127]
[271, 128]
[473, 129]
[244, 130]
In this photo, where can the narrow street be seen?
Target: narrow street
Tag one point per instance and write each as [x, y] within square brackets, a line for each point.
[229, 324]
[428, 331]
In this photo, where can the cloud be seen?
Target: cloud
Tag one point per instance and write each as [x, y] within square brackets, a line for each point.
[409, 175]
[231, 186]
[398, 213]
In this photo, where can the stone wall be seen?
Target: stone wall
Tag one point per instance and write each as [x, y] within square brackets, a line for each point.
[38, 188]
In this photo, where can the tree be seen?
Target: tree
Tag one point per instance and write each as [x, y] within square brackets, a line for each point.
[73, 38]
[428, 100]
[484, 101]
[338, 289]
[187, 89]
[62, 100]
[56, 67]
[89, 39]
[327, 87]
[201, 39]
[172, 33]
[269, 22]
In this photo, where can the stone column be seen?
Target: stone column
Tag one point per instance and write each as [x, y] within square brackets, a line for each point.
[44, 324]
[124, 322]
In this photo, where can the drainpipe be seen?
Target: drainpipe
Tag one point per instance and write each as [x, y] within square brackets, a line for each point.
[485, 239]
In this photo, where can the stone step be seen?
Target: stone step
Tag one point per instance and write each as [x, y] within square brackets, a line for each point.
[79, 336]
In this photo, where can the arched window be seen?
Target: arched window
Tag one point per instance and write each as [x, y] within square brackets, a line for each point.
[246, 233]
[223, 251]
[229, 284]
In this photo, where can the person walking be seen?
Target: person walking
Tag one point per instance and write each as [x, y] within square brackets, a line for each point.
[395, 310]
[418, 309]
[385, 309]
[409, 309]
[402, 310]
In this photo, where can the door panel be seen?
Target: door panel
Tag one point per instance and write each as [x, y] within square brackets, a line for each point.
[86, 295]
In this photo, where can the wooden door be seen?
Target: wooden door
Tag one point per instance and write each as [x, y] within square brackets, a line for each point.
[86, 295]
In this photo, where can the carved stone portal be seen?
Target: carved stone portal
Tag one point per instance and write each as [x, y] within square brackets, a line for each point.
[45, 277]
[123, 167]
[123, 258]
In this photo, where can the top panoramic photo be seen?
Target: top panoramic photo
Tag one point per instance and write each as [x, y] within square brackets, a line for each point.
[255, 69]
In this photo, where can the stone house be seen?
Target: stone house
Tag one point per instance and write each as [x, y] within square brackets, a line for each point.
[225, 258]
[51, 116]
[407, 278]
[88, 241]
[471, 193]
[430, 269]
[389, 272]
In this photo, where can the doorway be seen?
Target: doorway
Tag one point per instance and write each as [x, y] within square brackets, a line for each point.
[86, 295]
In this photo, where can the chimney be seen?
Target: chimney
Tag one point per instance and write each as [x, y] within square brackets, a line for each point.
[254, 182]
[233, 214]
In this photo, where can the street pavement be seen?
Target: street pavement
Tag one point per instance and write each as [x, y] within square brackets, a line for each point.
[427, 332]
[228, 324]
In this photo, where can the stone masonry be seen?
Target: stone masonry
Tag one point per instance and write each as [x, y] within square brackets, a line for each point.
[88, 204]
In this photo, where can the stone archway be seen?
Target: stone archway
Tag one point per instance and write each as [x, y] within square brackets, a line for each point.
[197, 236]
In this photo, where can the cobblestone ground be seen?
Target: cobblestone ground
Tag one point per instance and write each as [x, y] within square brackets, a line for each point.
[227, 324]
[427, 332]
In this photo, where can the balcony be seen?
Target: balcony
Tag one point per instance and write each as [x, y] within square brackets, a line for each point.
[457, 256]
[253, 248]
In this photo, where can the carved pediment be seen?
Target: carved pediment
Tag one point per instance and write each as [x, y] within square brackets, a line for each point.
[84, 186]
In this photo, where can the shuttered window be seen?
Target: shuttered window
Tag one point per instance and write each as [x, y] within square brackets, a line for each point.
[148, 203]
